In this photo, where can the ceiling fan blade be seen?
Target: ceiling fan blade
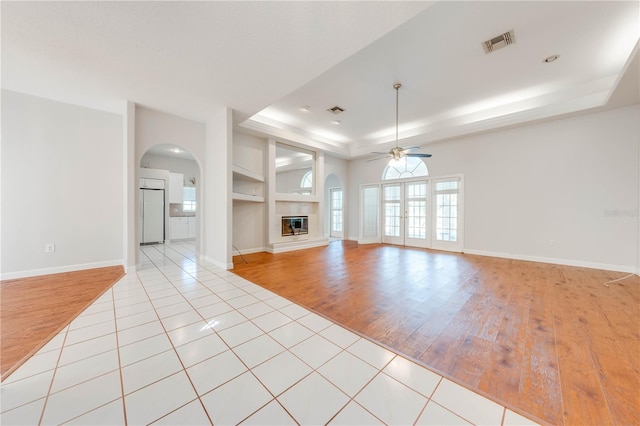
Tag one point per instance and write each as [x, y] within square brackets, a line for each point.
[376, 159]
[380, 153]
[418, 155]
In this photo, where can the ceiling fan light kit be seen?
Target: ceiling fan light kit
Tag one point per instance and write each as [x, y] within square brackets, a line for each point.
[398, 153]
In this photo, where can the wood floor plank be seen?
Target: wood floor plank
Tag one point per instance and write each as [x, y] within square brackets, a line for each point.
[548, 340]
[35, 309]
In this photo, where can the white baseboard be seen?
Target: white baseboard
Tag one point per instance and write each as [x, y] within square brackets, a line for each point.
[59, 269]
[297, 245]
[567, 262]
[217, 264]
[249, 251]
[369, 241]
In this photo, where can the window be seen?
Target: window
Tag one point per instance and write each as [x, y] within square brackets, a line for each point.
[446, 194]
[336, 210]
[306, 183]
[189, 199]
[406, 167]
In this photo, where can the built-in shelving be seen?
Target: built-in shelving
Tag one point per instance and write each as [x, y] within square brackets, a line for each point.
[297, 198]
[237, 196]
[244, 174]
[247, 185]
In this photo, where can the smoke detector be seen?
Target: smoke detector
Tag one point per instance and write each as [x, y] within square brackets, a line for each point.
[498, 42]
[336, 110]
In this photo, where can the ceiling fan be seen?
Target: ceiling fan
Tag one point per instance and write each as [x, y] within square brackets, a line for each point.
[398, 152]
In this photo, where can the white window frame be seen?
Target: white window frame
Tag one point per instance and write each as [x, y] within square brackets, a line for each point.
[185, 200]
[457, 246]
[332, 232]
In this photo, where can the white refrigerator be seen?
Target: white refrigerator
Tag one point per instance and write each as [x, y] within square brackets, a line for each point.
[152, 212]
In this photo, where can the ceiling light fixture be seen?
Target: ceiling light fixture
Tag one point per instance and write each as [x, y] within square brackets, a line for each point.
[551, 58]
[336, 122]
[399, 153]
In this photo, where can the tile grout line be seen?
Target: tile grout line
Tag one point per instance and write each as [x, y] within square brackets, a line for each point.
[44, 407]
[176, 353]
[315, 370]
[115, 321]
[249, 369]
[380, 371]
[230, 349]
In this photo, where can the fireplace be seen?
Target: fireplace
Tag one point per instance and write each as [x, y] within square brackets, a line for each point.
[295, 225]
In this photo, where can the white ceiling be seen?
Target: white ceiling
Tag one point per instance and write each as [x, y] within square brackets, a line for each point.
[271, 58]
[450, 86]
[185, 58]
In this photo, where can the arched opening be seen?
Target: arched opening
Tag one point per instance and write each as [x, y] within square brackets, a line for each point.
[170, 196]
[334, 211]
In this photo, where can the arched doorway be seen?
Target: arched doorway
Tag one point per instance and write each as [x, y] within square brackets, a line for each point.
[170, 177]
[334, 212]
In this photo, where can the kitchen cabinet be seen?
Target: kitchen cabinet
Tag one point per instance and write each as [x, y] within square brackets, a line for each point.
[176, 185]
[192, 226]
[179, 228]
[183, 228]
[146, 183]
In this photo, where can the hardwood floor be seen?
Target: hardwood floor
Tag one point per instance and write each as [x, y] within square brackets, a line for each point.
[549, 340]
[35, 309]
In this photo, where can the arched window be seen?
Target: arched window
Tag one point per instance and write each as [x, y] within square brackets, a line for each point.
[406, 167]
[306, 183]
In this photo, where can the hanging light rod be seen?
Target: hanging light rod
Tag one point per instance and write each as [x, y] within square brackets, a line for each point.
[397, 153]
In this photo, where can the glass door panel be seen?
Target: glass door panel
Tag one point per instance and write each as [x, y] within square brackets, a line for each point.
[416, 214]
[393, 209]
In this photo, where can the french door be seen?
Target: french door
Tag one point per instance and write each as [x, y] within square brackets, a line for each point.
[420, 213]
[405, 213]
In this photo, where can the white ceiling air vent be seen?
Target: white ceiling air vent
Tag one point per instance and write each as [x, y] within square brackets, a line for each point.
[498, 42]
[336, 110]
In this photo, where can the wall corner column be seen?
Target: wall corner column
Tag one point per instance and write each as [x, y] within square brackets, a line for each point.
[218, 188]
[130, 207]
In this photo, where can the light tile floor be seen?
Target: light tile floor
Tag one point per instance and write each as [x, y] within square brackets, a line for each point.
[183, 342]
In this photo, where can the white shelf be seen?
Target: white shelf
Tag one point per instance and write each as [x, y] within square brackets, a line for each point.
[298, 198]
[242, 173]
[246, 197]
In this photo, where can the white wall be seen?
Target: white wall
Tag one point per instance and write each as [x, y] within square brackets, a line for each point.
[573, 181]
[62, 183]
[217, 188]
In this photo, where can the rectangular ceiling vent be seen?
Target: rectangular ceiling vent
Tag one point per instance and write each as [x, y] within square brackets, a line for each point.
[336, 109]
[498, 42]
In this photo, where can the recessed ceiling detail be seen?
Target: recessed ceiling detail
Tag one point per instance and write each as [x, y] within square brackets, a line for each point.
[498, 42]
[336, 110]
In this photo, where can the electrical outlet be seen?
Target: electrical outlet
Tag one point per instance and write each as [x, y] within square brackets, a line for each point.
[552, 242]
[49, 248]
